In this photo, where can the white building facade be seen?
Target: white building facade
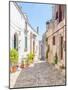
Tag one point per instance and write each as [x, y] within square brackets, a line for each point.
[22, 36]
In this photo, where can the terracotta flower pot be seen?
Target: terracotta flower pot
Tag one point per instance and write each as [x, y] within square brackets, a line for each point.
[22, 66]
[26, 65]
[13, 69]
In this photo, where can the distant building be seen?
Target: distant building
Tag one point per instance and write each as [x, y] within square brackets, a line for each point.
[40, 44]
[22, 36]
[42, 48]
[56, 41]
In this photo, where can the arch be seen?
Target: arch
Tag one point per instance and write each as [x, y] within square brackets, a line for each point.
[16, 41]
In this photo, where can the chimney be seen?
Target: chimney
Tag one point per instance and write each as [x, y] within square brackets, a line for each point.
[26, 17]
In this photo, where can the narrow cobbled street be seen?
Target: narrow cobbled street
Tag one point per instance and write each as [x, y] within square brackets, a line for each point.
[42, 74]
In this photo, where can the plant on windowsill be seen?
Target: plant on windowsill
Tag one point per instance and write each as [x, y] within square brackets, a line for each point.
[13, 60]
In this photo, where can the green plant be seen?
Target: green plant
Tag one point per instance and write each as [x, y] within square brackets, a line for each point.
[55, 59]
[47, 52]
[30, 57]
[13, 56]
[46, 39]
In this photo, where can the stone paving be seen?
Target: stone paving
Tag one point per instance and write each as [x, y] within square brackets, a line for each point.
[42, 74]
[13, 78]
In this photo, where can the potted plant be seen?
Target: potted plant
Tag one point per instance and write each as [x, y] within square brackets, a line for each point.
[13, 60]
[30, 58]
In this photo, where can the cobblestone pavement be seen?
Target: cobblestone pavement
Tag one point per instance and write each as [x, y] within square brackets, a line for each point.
[42, 74]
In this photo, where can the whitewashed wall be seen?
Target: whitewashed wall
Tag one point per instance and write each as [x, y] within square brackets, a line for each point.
[17, 25]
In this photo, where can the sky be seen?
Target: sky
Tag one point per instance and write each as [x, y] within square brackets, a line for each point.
[38, 15]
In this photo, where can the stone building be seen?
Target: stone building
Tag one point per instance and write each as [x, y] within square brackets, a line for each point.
[22, 36]
[56, 35]
[43, 46]
[41, 50]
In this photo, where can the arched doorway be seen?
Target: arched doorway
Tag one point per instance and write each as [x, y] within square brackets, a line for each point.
[16, 41]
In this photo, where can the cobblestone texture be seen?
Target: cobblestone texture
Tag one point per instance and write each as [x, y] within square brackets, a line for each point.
[42, 74]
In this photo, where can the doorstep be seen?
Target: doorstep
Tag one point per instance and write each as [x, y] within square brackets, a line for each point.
[13, 78]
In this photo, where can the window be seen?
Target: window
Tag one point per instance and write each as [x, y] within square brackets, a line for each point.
[31, 42]
[61, 47]
[53, 40]
[15, 41]
[25, 42]
[60, 13]
[56, 15]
